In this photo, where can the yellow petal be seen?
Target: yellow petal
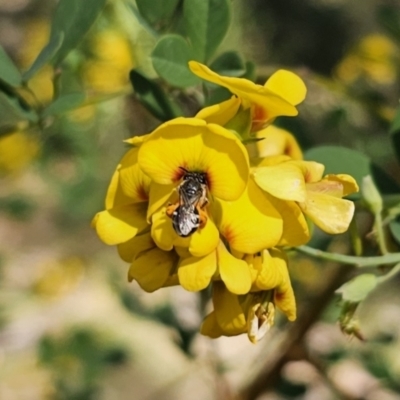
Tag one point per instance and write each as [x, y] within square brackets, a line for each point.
[204, 240]
[220, 113]
[133, 247]
[284, 295]
[121, 223]
[160, 196]
[115, 194]
[210, 327]
[348, 182]
[312, 170]
[251, 223]
[270, 103]
[134, 183]
[270, 275]
[295, 227]
[192, 144]
[277, 141]
[329, 213]
[228, 312]
[163, 232]
[331, 188]
[255, 265]
[195, 273]
[287, 85]
[234, 273]
[284, 181]
[137, 140]
[152, 268]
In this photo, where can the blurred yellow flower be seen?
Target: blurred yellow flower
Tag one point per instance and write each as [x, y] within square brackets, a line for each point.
[375, 58]
[108, 69]
[36, 33]
[17, 150]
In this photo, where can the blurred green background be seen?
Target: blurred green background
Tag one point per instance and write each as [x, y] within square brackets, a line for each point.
[71, 326]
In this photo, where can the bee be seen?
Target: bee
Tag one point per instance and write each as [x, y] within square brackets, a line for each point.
[188, 213]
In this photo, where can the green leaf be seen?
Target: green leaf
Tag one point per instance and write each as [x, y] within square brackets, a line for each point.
[72, 20]
[341, 160]
[389, 19]
[170, 59]
[217, 95]
[206, 22]
[64, 103]
[9, 73]
[153, 97]
[394, 227]
[229, 64]
[250, 73]
[45, 56]
[358, 288]
[13, 112]
[154, 11]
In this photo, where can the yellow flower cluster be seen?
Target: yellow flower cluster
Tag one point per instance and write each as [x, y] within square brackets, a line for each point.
[191, 205]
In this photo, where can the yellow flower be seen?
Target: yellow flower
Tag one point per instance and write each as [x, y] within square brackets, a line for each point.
[190, 145]
[279, 96]
[108, 70]
[320, 199]
[375, 58]
[253, 313]
[148, 180]
[17, 150]
[194, 145]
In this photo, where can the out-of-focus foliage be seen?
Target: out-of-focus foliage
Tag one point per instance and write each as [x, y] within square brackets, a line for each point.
[79, 77]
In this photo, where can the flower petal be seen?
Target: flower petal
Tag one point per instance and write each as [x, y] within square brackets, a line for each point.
[228, 312]
[277, 141]
[295, 227]
[287, 85]
[163, 232]
[270, 275]
[220, 113]
[115, 194]
[134, 183]
[348, 182]
[271, 103]
[133, 247]
[192, 144]
[234, 273]
[284, 295]
[210, 326]
[251, 223]
[195, 273]
[159, 196]
[152, 268]
[284, 181]
[312, 170]
[204, 240]
[122, 223]
[329, 213]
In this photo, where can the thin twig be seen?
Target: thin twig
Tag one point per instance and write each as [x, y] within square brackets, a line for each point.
[361, 262]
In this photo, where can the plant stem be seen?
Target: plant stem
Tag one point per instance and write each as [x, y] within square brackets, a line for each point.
[361, 262]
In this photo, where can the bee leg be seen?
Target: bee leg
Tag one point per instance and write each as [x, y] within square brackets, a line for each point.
[171, 209]
[203, 218]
